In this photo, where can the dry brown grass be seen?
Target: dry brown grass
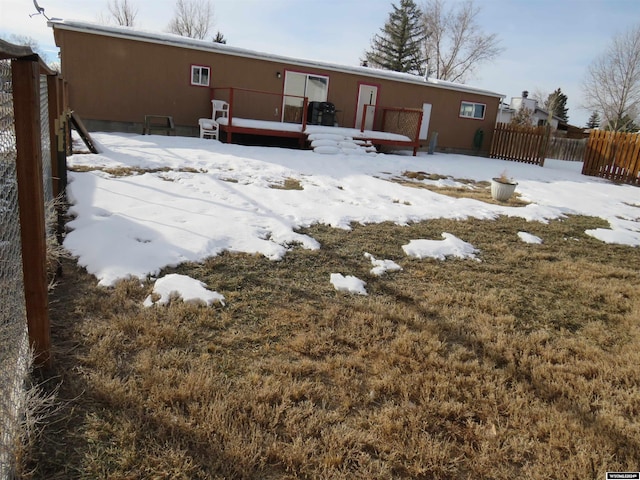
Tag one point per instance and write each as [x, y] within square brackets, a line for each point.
[470, 189]
[523, 365]
[128, 171]
[54, 209]
[288, 184]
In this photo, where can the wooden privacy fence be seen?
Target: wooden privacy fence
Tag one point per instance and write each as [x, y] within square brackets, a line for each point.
[614, 156]
[519, 143]
[572, 149]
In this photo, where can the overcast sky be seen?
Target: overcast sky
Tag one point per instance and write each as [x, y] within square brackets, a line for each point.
[548, 43]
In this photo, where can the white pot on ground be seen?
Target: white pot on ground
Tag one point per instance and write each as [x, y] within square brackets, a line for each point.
[502, 190]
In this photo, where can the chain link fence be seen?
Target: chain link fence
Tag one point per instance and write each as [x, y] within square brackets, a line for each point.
[14, 348]
[45, 141]
[29, 159]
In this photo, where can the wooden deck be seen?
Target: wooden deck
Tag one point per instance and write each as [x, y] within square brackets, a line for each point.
[396, 126]
[295, 130]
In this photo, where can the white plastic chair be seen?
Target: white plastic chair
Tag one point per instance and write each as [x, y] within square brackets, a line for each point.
[219, 107]
[209, 128]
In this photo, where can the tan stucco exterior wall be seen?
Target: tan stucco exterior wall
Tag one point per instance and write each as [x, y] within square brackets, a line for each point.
[121, 80]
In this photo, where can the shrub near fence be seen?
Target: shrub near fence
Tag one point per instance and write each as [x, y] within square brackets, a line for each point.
[519, 143]
[613, 155]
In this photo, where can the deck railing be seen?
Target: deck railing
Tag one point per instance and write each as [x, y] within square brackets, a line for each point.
[278, 107]
[398, 120]
[260, 105]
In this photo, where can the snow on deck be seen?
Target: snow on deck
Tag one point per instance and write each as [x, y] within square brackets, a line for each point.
[312, 129]
[260, 124]
[356, 133]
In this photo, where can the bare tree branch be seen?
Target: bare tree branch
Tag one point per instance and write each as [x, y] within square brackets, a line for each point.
[455, 45]
[192, 18]
[612, 83]
[123, 12]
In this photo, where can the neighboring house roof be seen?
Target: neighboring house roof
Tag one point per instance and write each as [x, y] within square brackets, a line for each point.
[204, 45]
[538, 112]
[545, 114]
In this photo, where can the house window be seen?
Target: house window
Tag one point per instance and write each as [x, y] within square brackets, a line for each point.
[200, 75]
[472, 110]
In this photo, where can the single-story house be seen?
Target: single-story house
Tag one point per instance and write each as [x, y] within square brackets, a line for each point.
[117, 75]
[539, 116]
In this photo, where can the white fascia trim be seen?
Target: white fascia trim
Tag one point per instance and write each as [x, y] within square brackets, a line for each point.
[203, 45]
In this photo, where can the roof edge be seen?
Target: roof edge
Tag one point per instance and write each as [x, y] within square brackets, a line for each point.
[203, 45]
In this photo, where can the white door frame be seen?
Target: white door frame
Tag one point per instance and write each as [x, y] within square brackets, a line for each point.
[426, 116]
[367, 95]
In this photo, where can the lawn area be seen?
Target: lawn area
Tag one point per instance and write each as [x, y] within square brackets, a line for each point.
[521, 365]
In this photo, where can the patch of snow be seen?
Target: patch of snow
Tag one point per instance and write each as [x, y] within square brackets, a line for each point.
[260, 124]
[355, 133]
[216, 196]
[348, 144]
[326, 136]
[189, 289]
[451, 246]
[380, 267]
[616, 236]
[349, 283]
[327, 149]
[529, 238]
[323, 142]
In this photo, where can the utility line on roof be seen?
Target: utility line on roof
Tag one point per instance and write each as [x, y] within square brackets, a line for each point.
[40, 11]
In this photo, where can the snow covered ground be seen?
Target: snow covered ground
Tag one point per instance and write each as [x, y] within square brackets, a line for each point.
[194, 198]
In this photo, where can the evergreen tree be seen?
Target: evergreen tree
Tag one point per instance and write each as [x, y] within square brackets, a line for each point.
[623, 124]
[398, 47]
[594, 120]
[219, 38]
[556, 103]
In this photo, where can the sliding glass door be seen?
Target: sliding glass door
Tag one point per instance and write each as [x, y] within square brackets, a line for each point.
[298, 85]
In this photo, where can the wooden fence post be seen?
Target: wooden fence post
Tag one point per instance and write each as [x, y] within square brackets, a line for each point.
[26, 99]
[61, 133]
[54, 112]
[229, 134]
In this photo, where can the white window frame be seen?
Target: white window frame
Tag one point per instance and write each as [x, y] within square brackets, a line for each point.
[470, 110]
[197, 78]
